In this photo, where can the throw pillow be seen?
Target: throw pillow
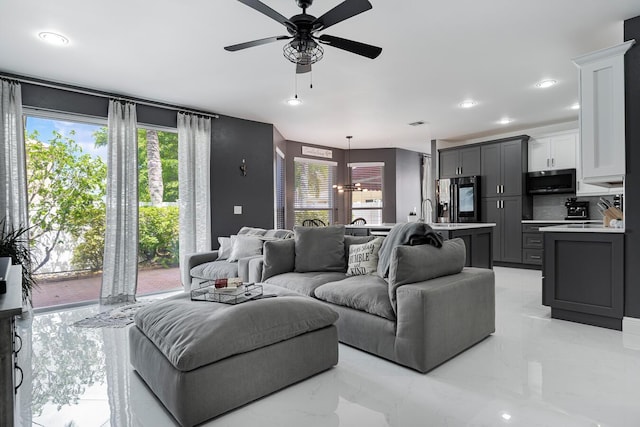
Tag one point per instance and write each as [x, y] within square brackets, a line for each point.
[252, 231]
[319, 249]
[363, 258]
[225, 247]
[244, 246]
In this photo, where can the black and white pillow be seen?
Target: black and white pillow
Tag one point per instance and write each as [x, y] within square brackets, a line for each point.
[363, 258]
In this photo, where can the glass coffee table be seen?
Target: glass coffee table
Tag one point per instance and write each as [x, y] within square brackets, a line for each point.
[207, 291]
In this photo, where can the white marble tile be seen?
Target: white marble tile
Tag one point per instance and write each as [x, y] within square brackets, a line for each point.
[534, 371]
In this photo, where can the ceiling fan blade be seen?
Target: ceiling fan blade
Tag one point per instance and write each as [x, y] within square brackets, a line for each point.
[350, 46]
[341, 12]
[266, 10]
[253, 43]
[302, 69]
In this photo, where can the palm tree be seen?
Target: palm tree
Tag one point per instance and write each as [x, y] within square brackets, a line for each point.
[154, 168]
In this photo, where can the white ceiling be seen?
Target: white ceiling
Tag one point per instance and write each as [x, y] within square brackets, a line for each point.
[435, 55]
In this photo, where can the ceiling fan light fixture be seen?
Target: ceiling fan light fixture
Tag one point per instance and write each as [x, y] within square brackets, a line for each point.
[303, 51]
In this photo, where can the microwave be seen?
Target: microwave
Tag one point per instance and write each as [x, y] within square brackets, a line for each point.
[552, 182]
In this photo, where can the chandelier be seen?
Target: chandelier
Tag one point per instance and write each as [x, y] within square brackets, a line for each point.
[349, 187]
[303, 51]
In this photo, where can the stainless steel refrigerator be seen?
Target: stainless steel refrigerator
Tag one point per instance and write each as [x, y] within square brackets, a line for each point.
[458, 199]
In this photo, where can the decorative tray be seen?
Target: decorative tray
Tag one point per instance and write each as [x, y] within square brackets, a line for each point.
[243, 293]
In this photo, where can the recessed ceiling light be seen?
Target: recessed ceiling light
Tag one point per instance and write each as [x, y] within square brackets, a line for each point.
[294, 101]
[468, 103]
[505, 121]
[575, 106]
[53, 38]
[546, 83]
[505, 416]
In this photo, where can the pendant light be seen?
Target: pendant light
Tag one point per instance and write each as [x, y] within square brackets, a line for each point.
[348, 186]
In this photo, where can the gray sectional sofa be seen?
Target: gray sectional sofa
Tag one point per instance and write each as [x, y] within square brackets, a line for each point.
[422, 310]
[428, 309]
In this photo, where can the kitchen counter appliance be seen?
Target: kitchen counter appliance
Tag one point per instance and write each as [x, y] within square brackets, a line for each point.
[458, 199]
[576, 209]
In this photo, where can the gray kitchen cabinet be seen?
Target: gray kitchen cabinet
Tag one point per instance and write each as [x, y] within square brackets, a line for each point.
[478, 243]
[503, 165]
[456, 162]
[506, 212]
[533, 243]
[583, 277]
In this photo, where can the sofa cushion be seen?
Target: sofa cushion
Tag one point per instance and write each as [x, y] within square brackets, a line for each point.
[193, 334]
[411, 264]
[363, 258]
[364, 293]
[225, 248]
[319, 249]
[278, 234]
[304, 283]
[279, 256]
[355, 240]
[244, 246]
[215, 270]
[252, 231]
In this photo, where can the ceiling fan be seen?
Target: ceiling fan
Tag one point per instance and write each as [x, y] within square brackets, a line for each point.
[304, 48]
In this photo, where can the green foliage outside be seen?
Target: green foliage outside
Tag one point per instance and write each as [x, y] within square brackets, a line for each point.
[158, 235]
[169, 155]
[67, 190]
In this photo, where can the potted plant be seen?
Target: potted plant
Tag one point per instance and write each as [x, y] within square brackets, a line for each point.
[14, 243]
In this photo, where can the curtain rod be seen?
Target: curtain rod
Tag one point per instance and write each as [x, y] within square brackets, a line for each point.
[94, 92]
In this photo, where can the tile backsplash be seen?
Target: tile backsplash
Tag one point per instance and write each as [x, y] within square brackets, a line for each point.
[551, 206]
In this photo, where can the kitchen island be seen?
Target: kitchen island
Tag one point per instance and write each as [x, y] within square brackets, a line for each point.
[477, 236]
[583, 274]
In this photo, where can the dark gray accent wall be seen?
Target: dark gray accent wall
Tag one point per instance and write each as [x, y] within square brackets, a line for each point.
[632, 180]
[233, 140]
[408, 174]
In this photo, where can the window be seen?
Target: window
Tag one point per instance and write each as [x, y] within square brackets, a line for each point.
[313, 192]
[367, 204]
[280, 185]
[66, 179]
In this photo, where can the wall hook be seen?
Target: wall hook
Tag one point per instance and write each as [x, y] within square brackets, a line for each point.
[243, 168]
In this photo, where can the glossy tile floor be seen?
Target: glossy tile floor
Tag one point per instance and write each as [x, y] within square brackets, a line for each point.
[534, 371]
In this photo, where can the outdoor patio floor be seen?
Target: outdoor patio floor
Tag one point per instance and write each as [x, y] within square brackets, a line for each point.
[53, 293]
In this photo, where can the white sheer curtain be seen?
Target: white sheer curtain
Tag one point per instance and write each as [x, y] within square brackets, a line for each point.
[120, 270]
[427, 190]
[13, 174]
[194, 162]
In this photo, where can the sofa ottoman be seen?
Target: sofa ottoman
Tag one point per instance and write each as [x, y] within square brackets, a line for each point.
[202, 359]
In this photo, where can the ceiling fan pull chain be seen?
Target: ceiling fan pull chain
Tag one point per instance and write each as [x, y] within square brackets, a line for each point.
[311, 77]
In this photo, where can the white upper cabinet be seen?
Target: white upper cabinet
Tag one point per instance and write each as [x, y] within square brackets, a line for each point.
[602, 115]
[553, 152]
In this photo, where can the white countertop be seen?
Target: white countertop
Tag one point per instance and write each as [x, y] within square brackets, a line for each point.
[561, 221]
[582, 228]
[461, 225]
[435, 226]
